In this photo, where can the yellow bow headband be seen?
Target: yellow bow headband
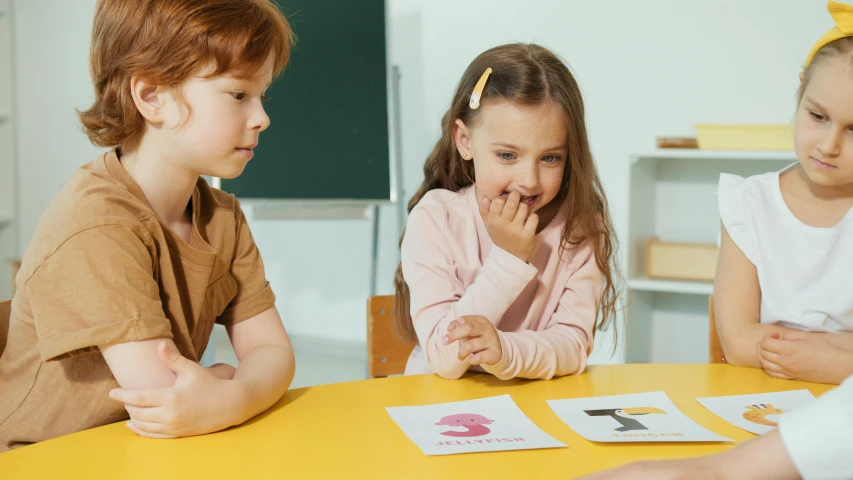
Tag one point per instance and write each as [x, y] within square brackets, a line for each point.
[843, 16]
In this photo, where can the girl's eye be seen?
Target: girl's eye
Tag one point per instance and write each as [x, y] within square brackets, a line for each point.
[817, 116]
[551, 159]
[265, 98]
[238, 95]
[506, 156]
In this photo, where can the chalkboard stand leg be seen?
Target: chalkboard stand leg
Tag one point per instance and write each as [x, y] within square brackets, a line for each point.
[374, 249]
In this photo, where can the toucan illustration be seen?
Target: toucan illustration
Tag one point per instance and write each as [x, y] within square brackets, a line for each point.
[624, 416]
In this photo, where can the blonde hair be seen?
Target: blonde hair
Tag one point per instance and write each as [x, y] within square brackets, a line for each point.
[843, 47]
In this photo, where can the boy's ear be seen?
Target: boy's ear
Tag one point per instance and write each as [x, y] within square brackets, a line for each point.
[146, 97]
[462, 137]
[802, 77]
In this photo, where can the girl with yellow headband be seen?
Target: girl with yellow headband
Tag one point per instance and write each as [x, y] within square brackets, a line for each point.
[506, 258]
[813, 442]
[782, 292]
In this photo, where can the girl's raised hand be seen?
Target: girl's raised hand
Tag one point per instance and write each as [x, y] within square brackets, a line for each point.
[510, 224]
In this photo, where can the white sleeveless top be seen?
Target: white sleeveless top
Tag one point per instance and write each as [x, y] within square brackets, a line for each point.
[805, 273]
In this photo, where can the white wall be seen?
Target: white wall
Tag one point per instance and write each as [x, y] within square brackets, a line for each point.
[8, 238]
[51, 81]
[645, 68]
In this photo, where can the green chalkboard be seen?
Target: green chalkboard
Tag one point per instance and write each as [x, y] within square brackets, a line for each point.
[328, 136]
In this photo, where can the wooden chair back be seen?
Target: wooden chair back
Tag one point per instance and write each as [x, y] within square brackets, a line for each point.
[715, 350]
[386, 352]
[5, 313]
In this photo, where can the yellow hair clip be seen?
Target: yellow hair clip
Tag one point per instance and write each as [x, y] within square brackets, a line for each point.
[478, 90]
[843, 16]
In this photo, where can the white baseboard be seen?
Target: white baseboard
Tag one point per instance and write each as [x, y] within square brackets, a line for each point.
[327, 346]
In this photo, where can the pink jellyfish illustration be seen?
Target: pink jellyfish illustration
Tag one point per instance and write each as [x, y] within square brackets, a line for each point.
[475, 424]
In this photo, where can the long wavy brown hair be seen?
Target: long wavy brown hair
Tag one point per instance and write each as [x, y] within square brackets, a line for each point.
[526, 75]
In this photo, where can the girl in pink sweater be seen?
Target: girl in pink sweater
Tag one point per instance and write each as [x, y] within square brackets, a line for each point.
[506, 258]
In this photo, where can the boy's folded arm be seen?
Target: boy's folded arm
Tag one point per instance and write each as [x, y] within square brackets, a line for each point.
[267, 363]
[222, 371]
[137, 365]
[263, 376]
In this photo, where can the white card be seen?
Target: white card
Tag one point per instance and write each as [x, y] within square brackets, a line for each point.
[638, 417]
[759, 412]
[483, 425]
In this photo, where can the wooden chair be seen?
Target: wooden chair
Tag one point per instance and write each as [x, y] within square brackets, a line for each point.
[715, 350]
[5, 313]
[386, 352]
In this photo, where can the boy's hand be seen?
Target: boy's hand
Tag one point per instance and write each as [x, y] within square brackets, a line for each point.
[805, 356]
[510, 225]
[196, 404]
[478, 340]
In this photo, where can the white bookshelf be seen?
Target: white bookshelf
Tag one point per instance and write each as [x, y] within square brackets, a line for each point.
[688, 155]
[8, 236]
[671, 286]
[673, 196]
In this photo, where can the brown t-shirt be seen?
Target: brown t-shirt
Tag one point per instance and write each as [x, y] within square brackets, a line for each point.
[102, 269]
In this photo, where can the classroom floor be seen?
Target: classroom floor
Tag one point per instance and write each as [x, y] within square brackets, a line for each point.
[317, 361]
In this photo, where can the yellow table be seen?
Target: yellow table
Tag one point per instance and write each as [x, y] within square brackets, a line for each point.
[342, 431]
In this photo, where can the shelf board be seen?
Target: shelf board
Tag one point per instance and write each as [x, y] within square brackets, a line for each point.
[273, 209]
[698, 154]
[671, 286]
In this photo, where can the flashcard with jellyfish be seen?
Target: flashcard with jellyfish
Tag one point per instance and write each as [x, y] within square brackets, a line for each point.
[483, 425]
